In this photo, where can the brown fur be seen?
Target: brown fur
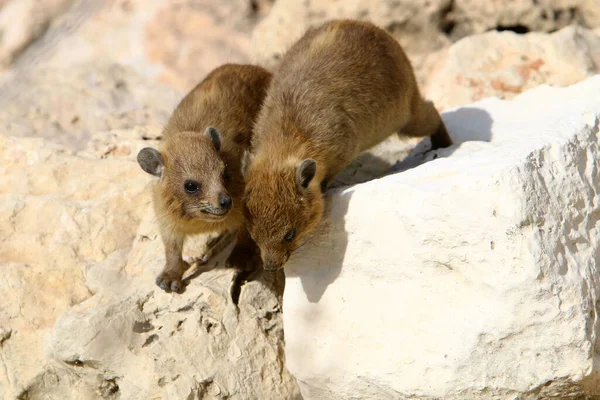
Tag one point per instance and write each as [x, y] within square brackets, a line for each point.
[341, 89]
[228, 99]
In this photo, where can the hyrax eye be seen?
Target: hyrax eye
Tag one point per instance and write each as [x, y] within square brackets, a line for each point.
[290, 235]
[191, 187]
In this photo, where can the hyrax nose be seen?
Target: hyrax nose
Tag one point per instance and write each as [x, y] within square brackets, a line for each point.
[225, 201]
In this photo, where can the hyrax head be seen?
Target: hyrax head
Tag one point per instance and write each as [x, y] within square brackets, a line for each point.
[192, 176]
[282, 204]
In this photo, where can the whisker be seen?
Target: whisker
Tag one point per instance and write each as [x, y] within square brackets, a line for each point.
[302, 245]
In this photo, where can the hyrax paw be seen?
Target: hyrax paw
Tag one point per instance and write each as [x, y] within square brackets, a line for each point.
[169, 282]
[203, 260]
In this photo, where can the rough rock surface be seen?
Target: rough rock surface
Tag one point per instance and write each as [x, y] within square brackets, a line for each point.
[24, 21]
[68, 106]
[471, 16]
[81, 317]
[503, 64]
[61, 87]
[66, 71]
[59, 213]
[415, 25]
[473, 276]
[420, 26]
[174, 42]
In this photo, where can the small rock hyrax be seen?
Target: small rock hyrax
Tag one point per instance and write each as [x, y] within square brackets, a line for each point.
[341, 89]
[200, 185]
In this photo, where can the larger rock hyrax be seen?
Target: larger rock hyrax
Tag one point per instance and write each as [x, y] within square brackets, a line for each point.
[342, 88]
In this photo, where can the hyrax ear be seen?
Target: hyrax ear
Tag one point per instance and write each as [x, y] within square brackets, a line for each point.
[215, 136]
[247, 159]
[305, 172]
[151, 161]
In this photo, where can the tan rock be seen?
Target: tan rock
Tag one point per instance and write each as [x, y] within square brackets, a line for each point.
[174, 42]
[473, 16]
[197, 344]
[416, 24]
[122, 143]
[191, 38]
[590, 13]
[67, 106]
[420, 26]
[83, 77]
[59, 213]
[81, 316]
[22, 22]
[503, 64]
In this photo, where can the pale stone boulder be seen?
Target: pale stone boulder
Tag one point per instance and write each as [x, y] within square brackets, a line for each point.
[70, 105]
[59, 214]
[24, 21]
[504, 64]
[416, 24]
[177, 43]
[421, 26]
[473, 16]
[473, 276]
[145, 343]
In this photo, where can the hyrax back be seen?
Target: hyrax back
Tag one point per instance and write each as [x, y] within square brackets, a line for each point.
[200, 186]
[342, 88]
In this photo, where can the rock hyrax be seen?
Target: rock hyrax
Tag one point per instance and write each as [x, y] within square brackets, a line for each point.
[200, 186]
[342, 88]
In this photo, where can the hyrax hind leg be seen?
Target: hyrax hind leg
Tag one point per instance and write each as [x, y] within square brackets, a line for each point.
[426, 121]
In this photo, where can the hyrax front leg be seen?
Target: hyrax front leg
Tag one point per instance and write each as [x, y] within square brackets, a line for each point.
[170, 277]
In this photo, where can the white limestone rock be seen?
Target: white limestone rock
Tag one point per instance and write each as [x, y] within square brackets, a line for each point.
[473, 276]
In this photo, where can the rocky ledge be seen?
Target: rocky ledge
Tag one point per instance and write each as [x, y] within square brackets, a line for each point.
[472, 276]
[81, 317]
[469, 276]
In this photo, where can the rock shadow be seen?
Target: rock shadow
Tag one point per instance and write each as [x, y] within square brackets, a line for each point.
[466, 124]
[322, 263]
[319, 263]
[469, 124]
